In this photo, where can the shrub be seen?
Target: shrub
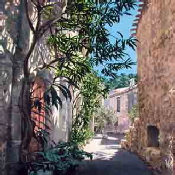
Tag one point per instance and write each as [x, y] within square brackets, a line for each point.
[104, 117]
[62, 158]
[134, 112]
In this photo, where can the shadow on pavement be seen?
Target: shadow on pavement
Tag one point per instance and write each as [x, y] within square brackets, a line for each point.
[112, 160]
[112, 139]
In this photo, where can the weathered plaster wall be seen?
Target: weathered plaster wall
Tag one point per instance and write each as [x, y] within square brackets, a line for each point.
[123, 119]
[156, 65]
[61, 120]
[128, 98]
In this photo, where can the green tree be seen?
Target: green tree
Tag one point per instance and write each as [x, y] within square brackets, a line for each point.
[104, 117]
[120, 81]
[88, 21]
[134, 112]
[86, 104]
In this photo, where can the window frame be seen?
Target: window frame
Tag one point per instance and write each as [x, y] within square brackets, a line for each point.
[118, 104]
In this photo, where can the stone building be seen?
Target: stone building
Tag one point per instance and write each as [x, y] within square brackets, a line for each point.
[155, 30]
[121, 101]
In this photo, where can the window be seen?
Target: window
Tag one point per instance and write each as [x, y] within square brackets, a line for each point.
[118, 104]
[130, 100]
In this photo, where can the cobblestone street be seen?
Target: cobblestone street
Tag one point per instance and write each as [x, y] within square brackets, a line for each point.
[110, 159]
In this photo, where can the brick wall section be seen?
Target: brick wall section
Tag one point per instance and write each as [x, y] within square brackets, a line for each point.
[38, 117]
[156, 71]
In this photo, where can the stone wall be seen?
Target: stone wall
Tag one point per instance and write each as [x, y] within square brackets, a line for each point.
[156, 65]
[14, 35]
[131, 142]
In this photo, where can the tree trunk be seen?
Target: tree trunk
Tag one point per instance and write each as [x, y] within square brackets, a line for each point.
[16, 31]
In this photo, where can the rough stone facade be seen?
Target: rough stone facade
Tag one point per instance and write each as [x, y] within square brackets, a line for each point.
[156, 86]
[131, 142]
[127, 97]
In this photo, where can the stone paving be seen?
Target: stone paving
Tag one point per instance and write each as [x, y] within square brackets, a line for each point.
[110, 159]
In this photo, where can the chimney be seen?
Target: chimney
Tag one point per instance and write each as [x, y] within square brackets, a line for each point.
[131, 82]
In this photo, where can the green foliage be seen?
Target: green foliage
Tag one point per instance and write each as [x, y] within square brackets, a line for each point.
[134, 112]
[79, 41]
[80, 135]
[120, 81]
[64, 157]
[42, 136]
[91, 91]
[104, 117]
[89, 46]
[88, 21]
[51, 97]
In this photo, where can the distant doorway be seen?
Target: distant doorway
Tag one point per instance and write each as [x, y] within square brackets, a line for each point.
[152, 136]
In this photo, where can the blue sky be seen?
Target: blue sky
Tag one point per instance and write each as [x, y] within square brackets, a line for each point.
[124, 27]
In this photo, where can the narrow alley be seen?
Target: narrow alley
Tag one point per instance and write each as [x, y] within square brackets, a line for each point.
[72, 68]
[110, 159]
